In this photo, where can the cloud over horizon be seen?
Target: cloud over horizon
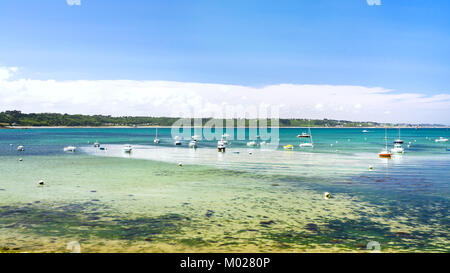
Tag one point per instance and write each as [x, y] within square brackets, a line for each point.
[167, 98]
[73, 2]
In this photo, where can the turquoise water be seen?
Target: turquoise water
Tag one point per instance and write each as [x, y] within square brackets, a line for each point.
[246, 199]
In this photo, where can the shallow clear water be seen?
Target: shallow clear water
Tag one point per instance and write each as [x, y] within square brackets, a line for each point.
[266, 201]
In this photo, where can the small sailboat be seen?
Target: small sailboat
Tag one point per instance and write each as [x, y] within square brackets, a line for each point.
[385, 153]
[156, 140]
[20, 148]
[70, 149]
[308, 144]
[441, 139]
[399, 140]
[288, 147]
[193, 144]
[127, 148]
[221, 146]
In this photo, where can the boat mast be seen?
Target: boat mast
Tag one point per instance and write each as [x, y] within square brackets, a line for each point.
[385, 136]
[309, 128]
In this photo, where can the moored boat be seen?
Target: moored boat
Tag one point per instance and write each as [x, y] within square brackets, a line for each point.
[288, 147]
[193, 144]
[398, 149]
[70, 149]
[156, 140]
[127, 148]
[385, 152]
[441, 139]
[221, 146]
[251, 144]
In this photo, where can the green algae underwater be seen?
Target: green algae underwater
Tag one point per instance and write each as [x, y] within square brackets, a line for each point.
[269, 201]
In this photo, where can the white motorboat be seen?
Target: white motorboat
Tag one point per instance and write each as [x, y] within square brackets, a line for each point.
[70, 149]
[96, 144]
[398, 149]
[193, 144]
[441, 139]
[288, 147]
[127, 148]
[365, 131]
[307, 145]
[20, 148]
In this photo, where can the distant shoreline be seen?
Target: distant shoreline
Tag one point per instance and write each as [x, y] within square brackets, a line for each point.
[166, 127]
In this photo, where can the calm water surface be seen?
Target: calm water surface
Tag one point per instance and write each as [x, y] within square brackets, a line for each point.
[262, 201]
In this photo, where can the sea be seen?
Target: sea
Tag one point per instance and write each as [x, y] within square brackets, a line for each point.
[167, 198]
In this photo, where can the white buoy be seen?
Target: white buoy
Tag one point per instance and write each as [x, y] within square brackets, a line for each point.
[327, 196]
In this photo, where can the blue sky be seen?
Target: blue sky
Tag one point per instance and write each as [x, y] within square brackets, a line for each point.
[400, 45]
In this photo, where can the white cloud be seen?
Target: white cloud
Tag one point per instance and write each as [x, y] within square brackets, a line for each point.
[374, 2]
[73, 2]
[163, 98]
[7, 72]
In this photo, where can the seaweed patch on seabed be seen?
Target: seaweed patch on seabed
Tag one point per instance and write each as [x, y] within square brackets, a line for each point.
[353, 235]
[85, 222]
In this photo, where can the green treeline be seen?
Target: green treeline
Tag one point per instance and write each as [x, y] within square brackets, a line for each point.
[17, 118]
